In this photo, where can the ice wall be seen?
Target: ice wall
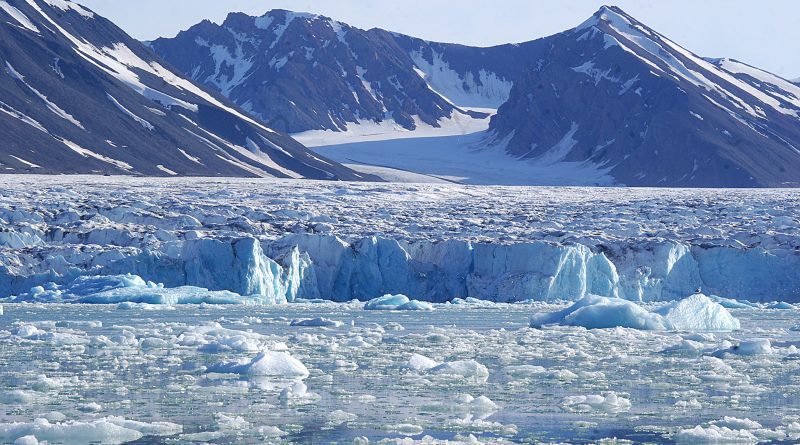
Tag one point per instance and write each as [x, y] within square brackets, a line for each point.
[321, 266]
[440, 271]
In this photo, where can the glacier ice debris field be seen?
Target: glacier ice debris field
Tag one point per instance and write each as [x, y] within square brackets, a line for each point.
[150, 311]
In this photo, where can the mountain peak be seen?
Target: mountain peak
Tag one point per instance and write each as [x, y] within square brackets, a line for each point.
[611, 15]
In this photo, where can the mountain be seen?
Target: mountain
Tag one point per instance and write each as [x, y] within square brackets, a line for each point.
[78, 95]
[300, 72]
[611, 102]
[614, 99]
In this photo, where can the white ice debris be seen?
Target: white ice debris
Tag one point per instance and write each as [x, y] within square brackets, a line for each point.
[750, 347]
[27, 440]
[419, 362]
[610, 403]
[465, 369]
[695, 313]
[715, 435]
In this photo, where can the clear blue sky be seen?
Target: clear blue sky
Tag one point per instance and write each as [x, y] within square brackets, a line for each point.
[765, 34]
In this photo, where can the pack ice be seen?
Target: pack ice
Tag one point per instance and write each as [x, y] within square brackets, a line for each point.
[107, 240]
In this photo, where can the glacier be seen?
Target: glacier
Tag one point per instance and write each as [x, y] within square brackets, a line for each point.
[324, 266]
[275, 245]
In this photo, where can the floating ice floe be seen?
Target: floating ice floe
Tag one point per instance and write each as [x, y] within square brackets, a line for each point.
[213, 338]
[696, 313]
[609, 403]
[109, 430]
[466, 369]
[296, 393]
[396, 303]
[267, 363]
[780, 305]
[465, 404]
[714, 434]
[319, 322]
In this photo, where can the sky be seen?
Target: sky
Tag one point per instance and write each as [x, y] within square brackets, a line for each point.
[764, 34]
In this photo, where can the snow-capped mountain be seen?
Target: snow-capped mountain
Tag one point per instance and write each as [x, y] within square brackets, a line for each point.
[300, 72]
[615, 100]
[78, 95]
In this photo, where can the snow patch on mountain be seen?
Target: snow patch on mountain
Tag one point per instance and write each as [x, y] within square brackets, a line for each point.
[781, 89]
[130, 114]
[21, 18]
[67, 5]
[90, 154]
[483, 89]
[5, 108]
[58, 111]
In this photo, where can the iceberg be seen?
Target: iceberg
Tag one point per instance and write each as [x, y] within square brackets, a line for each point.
[697, 313]
[267, 363]
[595, 312]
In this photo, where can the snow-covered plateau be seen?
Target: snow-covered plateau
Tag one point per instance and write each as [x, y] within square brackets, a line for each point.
[243, 311]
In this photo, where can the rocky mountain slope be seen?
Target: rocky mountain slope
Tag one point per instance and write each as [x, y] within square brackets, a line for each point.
[78, 95]
[618, 99]
[300, 72]
[610, 102]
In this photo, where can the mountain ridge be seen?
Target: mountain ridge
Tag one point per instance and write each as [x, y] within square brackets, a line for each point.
[302, 72]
